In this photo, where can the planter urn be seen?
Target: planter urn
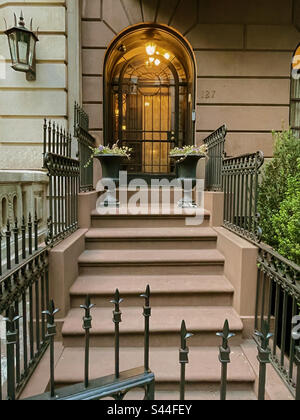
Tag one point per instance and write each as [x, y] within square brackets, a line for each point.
[186, 169]
[110, 164]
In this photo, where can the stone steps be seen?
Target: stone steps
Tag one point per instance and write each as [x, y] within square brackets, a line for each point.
[203, 372]
[157, 218]
[185, 272]
[151, 238]
[154, 262]
[150, 195]
[200, 395]
[166, 290]
[165, 324]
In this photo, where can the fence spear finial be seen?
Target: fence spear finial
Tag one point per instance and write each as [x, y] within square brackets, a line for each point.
[264, 335]
[87, 325]
[117, 319]
[11, 338]
[183, 357]
[225, 335]
[51, 332]
[224, 357]
[147, 314]
[263, 356]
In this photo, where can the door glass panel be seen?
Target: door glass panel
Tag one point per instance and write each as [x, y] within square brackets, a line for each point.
[149, 102]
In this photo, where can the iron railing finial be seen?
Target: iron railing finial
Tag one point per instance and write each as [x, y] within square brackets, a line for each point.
[183, 357]
[224, 357]
[87, 325]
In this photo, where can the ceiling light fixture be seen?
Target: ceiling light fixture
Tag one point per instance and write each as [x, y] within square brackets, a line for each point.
[150, 48]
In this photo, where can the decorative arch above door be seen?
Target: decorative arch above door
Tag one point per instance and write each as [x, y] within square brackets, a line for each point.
[149, 95]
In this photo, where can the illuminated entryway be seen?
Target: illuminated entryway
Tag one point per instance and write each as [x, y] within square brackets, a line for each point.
[149, 96]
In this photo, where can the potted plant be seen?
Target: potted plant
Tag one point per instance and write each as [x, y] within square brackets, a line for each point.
[187, 159]
[110, 159]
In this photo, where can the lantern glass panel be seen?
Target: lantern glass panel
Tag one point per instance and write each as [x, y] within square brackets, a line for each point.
[23, 45]
[31, 51]
[13, 47]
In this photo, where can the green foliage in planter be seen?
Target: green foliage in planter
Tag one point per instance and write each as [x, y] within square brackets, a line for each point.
[279, 197]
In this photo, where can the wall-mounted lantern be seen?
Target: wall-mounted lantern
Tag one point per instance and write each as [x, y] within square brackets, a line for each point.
[22, 43]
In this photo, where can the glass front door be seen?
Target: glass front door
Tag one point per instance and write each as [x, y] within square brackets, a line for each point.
[149, 107]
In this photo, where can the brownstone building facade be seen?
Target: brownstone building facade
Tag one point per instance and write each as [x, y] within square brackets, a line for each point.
[242, 51]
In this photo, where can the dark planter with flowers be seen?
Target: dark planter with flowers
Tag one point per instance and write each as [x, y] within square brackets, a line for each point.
[111, 165]
[187, 160]
[111, 160]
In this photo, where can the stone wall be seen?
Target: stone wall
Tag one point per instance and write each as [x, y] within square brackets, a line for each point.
[243, 51]
[242, 48]
[23, 104]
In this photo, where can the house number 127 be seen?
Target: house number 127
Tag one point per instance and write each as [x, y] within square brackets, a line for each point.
[208, 94]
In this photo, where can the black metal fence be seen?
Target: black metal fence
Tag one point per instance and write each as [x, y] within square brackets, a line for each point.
[63, 172]
[115, 386]
[240, 185]
[24, 294]
[277, 302]
[213, 170]
[85, 142]
[24, 271]
[119, 384]
[264, 357]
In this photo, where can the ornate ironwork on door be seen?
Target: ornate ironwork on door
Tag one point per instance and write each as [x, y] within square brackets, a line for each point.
[149, 114]
[149, 96]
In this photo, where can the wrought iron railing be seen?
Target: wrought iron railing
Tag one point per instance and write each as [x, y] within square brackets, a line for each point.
[118, 385]
[213, 170]
[115, 386]
[63, 172]
[262, 336]
[240, 185]
[278, 302]
[18, 241]
[24, 295]
[85, 142]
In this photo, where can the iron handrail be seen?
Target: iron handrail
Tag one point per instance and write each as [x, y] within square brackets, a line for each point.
[216, 145]
[240, 186]
[86, 142]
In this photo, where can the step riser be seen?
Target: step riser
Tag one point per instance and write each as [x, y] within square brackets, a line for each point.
[135, 270]
[168, 339]
[204, 386]
[150, 244]
[183, 299]
[173, 387]
[138, 222]
[155, 196]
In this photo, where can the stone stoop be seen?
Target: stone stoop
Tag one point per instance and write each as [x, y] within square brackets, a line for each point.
[185, 272]
[202, 373]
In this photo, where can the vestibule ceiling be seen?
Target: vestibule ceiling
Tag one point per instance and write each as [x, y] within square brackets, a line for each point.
[130, 51]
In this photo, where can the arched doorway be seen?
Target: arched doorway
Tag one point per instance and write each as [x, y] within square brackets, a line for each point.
[149, 96]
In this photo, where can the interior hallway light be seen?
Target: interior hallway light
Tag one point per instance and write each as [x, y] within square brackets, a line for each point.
[157, 62]
[150, 48]
[167, 56]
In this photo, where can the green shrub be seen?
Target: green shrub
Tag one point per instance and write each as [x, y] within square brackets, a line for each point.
[287, 222]
[279, 197]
